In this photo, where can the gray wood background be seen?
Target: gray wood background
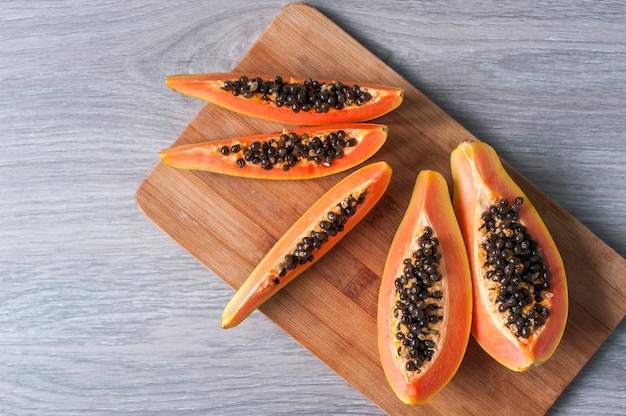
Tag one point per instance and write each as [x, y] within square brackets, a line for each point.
[101, 313]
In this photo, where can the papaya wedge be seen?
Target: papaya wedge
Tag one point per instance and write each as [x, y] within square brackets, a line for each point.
[425, 298]
[518, 276]
[304, 153]
[290, 100]
[319, 229]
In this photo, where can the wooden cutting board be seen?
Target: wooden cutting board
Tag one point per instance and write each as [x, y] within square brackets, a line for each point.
[229, 223]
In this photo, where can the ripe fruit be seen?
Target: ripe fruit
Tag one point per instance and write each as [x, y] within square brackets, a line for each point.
[319, 229]
[519, 282]
[425, 299]
[290, 100]
[297, 154]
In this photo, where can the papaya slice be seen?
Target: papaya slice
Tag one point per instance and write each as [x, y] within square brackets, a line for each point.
[425, 298]
[518, 276]
[290, 100]
[305, 153]
[318, 230]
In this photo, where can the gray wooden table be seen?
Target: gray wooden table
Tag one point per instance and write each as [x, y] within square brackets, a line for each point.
[101, 313]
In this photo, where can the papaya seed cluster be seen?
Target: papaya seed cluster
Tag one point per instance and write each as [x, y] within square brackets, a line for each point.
[290, 148]
[333, 223]
[310, 95]
[515, 268]
[417, 311]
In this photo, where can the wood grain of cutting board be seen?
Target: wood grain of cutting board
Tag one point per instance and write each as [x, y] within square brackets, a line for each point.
[229, 223]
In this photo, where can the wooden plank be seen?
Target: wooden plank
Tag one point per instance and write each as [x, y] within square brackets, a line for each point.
[229, 223]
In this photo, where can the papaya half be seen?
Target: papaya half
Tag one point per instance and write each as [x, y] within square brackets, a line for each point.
[290, 100]
[318, 230]
[518, 276]
[425, 298]
[297, 154]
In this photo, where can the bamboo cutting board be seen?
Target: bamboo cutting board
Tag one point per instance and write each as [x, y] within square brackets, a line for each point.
[229, 223]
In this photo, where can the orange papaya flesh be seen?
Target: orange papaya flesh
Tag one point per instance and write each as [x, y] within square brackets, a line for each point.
[518, 276]
[317, 231]
[425, 298]
[304, 153]
[290, 100]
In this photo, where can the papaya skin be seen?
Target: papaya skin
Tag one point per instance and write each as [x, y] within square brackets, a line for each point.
[208, 87]
[479, 179]
[207, 156]
[431, 206]
[372, 180]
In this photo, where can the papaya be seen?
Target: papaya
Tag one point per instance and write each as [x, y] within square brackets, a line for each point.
[518, 277]
[425, 298]
[305, 153]
[318, 230]
[290, 100]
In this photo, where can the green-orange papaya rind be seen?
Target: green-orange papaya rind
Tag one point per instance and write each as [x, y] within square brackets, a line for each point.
[207, 156]
[479, 180]
[372, 179]
[430, 205]
[208, 87]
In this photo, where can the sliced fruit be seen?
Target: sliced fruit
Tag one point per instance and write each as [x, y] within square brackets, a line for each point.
[297, 154]
[290, 100]
[320, 228]
[425, 298]
[519, 282]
